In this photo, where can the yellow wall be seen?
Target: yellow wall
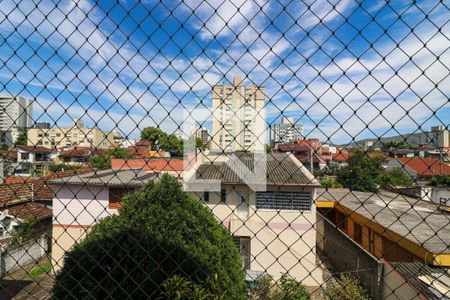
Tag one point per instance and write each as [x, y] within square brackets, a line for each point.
[69, 136]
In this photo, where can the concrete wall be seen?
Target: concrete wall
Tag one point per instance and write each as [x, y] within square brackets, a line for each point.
[346, 256]
[441, 196]
[13, 258]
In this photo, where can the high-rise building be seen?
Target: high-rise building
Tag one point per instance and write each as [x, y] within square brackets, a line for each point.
[15, 112]
[238, 117]
[200, 133]
[286, 132]
[438, 137]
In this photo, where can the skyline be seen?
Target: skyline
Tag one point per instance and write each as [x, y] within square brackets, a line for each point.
[325, 77]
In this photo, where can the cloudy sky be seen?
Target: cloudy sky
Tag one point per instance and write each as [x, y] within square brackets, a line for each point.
[344, 69]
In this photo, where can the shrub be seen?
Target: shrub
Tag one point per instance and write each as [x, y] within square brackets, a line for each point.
[179, 288]
[287, 289]
[160, 232]
[330, 183]
[347, 287]
[396, 176]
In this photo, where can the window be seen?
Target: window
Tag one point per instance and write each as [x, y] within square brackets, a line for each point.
[206, 196]
[358, 233]
[243, 245]
[25, 156]
[223, 196]
[341, 221]
[294, 200]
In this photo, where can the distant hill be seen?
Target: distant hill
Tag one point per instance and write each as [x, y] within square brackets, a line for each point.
[412, 139]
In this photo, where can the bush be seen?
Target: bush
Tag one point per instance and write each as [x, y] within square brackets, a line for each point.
[396, 176]
[330, 183]
[160, 232]
[179, 288]
[347, 288]
[440, 181]
[287, 289]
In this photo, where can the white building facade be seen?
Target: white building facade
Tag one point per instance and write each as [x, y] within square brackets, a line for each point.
[238, 117]
[286, 132]
[15, 112]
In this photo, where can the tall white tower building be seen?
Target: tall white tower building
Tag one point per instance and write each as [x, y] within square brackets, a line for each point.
[238, 117]
[15, 112]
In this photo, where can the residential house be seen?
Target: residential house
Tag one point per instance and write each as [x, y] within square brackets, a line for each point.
[420, 168]
[172, 166]
[143, 149]
[303, 152]
[274, 229]
[19, 202]
[33, 154]
[75, 212]
[79, 155]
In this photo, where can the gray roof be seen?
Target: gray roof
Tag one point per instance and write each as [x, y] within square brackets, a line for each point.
[282, 169]
[414, 272]
[419, 221]
[111, 177]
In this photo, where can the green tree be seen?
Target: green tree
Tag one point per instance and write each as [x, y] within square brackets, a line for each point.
[362, 173]
[22, 139]
[100, 162]
[118, 153]
[159, 232]
[199, 144]
[151, 134]
[24, 231]
[330, 183]
[396, 176]
[172, 144]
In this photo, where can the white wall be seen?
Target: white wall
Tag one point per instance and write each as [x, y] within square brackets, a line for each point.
[79, 205]
[440, 195]
[14, 258]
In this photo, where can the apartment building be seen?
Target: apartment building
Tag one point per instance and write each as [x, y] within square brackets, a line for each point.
[438, 137]
[238, 117]
[77, 135]
[286, 132]
[15, 112]
[200, 133]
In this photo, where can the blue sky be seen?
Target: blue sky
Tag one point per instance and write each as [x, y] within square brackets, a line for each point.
[351, 71]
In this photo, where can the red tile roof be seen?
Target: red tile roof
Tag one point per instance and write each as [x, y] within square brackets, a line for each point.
[426, 166]
[152, 164]
[341, 155]
[24, 210]
[34, 149]
[81, 152]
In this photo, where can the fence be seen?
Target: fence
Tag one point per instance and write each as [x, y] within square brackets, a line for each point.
[227, 149]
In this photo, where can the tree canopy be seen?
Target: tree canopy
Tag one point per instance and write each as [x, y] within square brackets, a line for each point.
[168, 142]
[160, 232]
[362, 173]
